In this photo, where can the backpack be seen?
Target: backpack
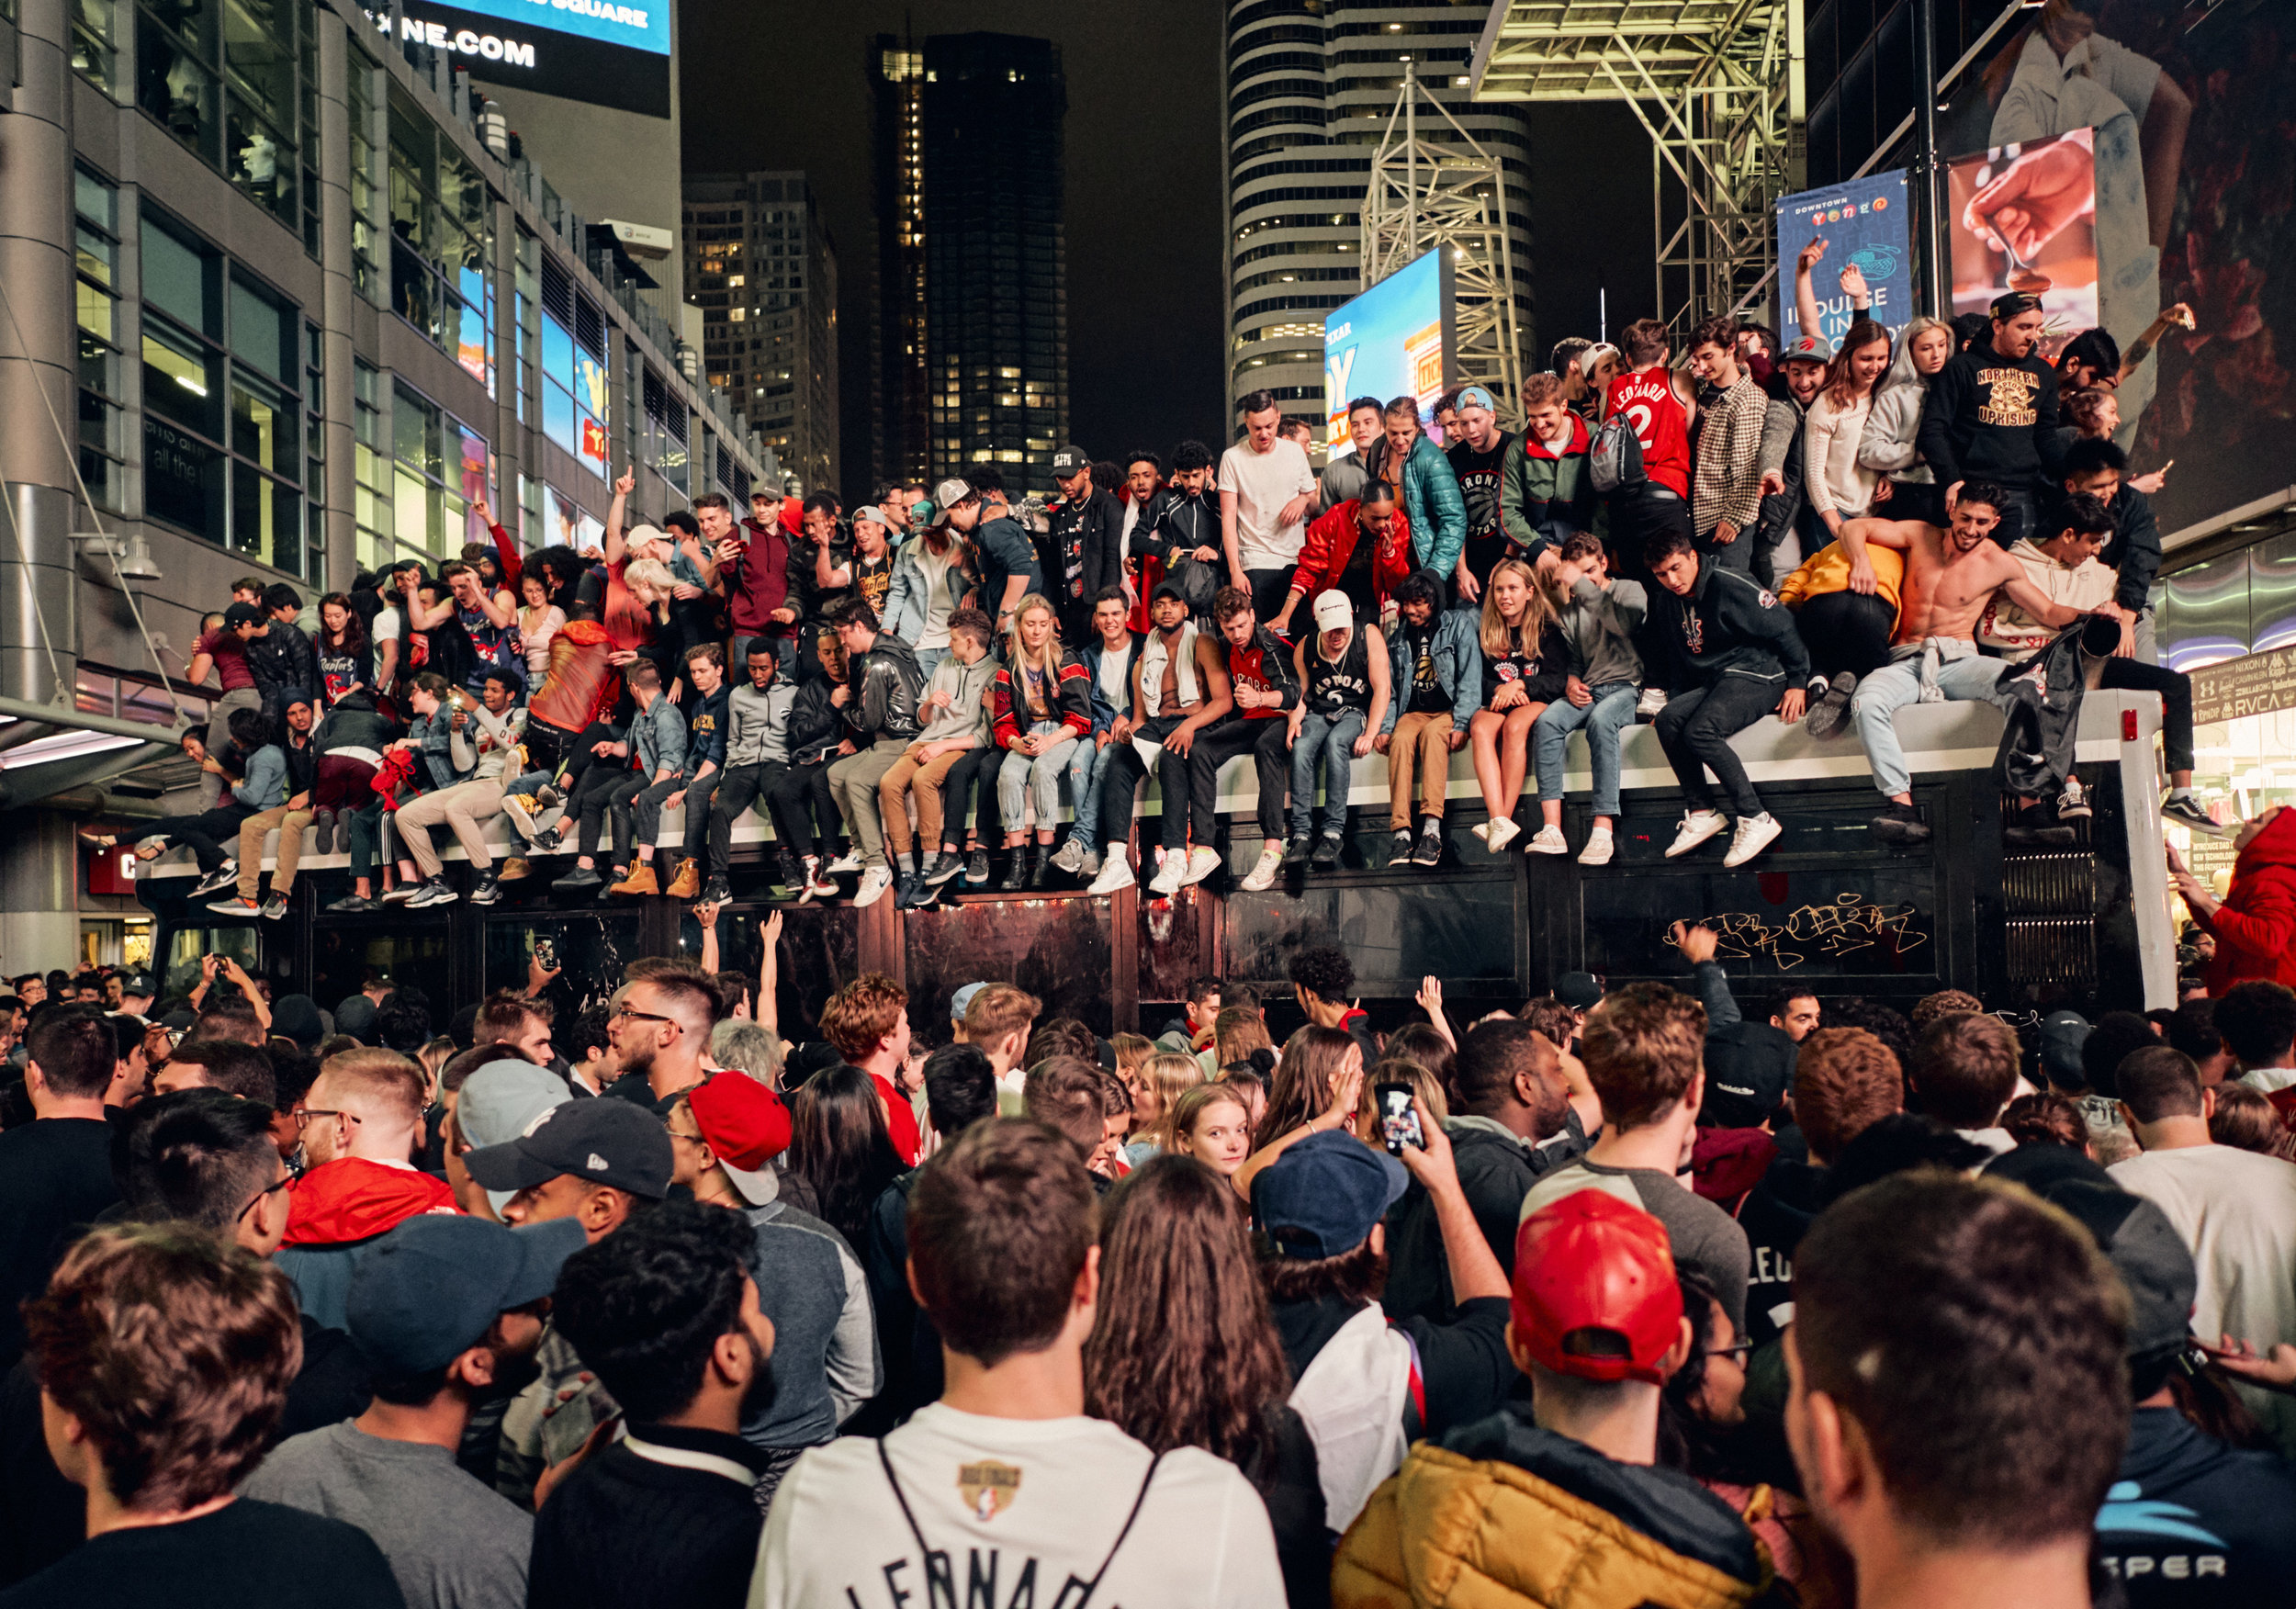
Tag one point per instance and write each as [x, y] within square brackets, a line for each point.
[1615, 459]
[1199, 583]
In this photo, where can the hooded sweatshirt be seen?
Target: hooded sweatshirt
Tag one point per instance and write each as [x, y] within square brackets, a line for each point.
[2254, 929]
[967, 713]
[352, 1199]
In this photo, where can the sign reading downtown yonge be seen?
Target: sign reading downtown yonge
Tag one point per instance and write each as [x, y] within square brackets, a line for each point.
[2254, 684]
[604, 52]
[1864, 222]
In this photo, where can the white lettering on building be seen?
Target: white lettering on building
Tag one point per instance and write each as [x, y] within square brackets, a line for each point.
[465, 42]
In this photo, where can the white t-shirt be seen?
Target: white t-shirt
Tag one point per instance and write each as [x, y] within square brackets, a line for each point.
[2236, 1209]
[1013, 1501]
[1263, 483]
[2267, 1080]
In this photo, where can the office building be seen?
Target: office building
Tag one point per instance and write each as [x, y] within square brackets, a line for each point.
[899, 403]
[1309, 87]
[299, 319]
[762, 269]
[992, 111]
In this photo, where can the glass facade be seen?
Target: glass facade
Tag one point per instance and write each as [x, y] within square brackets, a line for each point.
[102, 418]
[441, 243]
[440, 467]
[222, 76]
[572, 362]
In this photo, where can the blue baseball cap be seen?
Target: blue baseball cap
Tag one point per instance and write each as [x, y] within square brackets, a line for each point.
[1475, 396]
[960, 1002]
[429, 1290]
[1325, 1194]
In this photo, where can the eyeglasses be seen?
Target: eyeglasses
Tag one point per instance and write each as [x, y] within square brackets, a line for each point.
[303, 1115]
[631, 1011]
[256, 1200]
[1740, 1350]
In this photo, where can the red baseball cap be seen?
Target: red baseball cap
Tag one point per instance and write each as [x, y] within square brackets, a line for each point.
[746, 1125]
[1594, 1288]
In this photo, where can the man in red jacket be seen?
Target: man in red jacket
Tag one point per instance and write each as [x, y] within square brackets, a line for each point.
[1362, 549]
[754, 563]
[2254, 924]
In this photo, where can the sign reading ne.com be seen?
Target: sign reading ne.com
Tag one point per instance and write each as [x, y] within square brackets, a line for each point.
[606, 54]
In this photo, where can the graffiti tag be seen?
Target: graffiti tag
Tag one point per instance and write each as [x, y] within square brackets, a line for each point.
[1848, 925]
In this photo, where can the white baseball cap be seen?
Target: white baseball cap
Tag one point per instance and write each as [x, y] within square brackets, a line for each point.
[1334, 612]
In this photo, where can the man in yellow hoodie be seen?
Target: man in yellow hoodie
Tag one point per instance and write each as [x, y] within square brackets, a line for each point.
[1565, 1505]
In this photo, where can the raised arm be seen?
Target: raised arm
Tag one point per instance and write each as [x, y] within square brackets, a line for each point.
[615, 549]
[1806, 289]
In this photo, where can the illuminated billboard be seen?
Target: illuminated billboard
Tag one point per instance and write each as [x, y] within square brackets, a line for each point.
[1863, 224]
[596, 51]
[1395, 340]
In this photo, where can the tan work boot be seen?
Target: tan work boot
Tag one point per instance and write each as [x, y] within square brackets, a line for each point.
[513, 870]
[639, 881]
[687, 882]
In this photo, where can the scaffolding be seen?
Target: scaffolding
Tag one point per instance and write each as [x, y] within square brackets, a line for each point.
[1718, 84]
[1447, 191]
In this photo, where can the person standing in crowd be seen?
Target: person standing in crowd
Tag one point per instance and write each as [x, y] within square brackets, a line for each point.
[1841, 487]
[1264, 680]
[1957, 1365]
[1043, 708]
[667, 1315]
[1004, 560]
[1786, 505]
[1361, 548]
[444, 1311]
[1734, 646]
[1349, 473]
[1181, 689]
[1479, 459]
[1001, 1257]
[1266, 486]
[1887, 445]
[1602, 680]
[1436, 683]
[2254, 926]
[1991, 415]
[1644, 1047]
[55, 1171]
[1726, 501]
[1087, 538]
[753, 565]
[223, 650]
[1419, 475]
[870, 574]
[1343, 674]
[164, 1355]
[956, 715]
[1652, 400]
[2100, 469]
[878, 699]
[1545, 496]
[1525, 668]
[928, 587]
[1182, 529]
[1572, 1489]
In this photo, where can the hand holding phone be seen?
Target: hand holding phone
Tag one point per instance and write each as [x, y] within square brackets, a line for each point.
[1398, 1118]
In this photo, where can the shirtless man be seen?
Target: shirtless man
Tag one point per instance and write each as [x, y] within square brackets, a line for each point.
[1180, 687]
[1950, 576]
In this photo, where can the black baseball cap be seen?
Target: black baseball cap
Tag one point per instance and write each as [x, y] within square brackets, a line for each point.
[2062, 1035]
[2009, 304]
[243, 614]
[1068, 460]
[1168, 588]
[615, 1143]
[1750, 1066]
[1580, 991]
[431, 1289]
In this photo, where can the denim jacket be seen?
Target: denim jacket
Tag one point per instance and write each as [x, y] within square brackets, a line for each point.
[1457, 650]
[434, 737]
[1104, 713]
[906, 603]
[658, 735]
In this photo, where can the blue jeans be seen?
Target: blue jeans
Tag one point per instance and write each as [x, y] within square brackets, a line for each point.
[1873, 709]
[928, 658]
[1611, 711]
[1085, 773]
[1332, 742]
[1023, 776]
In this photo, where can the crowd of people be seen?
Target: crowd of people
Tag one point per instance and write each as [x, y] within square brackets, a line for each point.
[955, 689]
[1628, 1296]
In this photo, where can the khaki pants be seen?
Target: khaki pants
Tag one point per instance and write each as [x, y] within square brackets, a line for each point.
[1421, 742]
[290, 824]
[853, 784]
[463, 807]
[925, 778]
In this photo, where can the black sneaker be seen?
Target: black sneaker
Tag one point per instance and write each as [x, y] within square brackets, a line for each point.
[1399, 847]
[1327, 848]
[577, 879]
[351, 901]
[907, 892]
[716, 892]
[2185, 811]
[1429, 851]
[549, 842]
[1901, 824]
[2034, 826]
[487, 889]
[1297, 851]
[273, 907]
[324, 832]
[1830, 710]
[976, 869]
[941, 868]
[216, 880]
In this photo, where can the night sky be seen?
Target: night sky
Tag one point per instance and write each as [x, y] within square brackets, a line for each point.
[780, 84]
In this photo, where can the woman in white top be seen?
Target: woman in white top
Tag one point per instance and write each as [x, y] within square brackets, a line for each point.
[1908, 490]
[538, 622]
[1839, 487]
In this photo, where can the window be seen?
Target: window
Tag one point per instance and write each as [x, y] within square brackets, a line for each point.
[573, 356]
[526, 320]
[223, 426]
[570, 523]
[102, 419]
[221, 76]
[441, 243]
[662, 431]
[366, 268]
[370, 456]
[440, 467]
[94, 46]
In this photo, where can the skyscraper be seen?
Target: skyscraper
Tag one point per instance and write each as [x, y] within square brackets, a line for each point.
[761, 267]
[995, 256]
[1311, 84]
[901, 445]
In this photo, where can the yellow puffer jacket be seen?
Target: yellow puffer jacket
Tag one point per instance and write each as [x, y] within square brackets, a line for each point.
[1827, 570]
[1448, 1532]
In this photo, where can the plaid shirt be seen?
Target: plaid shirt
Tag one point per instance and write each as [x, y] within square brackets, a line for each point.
[1729, 485]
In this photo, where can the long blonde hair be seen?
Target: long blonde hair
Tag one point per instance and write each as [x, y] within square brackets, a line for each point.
[1171, 1074]
[1017, 655]
[1538, 612]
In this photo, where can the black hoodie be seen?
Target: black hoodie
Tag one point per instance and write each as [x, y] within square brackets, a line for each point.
[1776, 1215]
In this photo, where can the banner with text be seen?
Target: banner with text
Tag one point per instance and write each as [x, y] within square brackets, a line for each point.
[1860, 230]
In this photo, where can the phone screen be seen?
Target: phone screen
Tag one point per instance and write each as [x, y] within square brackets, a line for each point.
[1399, 1120]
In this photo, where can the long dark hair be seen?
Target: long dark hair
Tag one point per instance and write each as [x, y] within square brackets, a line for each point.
[1304, 1078]
[1183, 1353]
[840, 1149]
[352, 638]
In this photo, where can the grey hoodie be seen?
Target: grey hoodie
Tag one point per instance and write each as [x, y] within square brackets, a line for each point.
[1600, 627]
[759, 723]
[966, 712]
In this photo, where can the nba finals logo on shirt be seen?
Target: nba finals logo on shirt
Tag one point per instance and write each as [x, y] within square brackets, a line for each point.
[987, 1488]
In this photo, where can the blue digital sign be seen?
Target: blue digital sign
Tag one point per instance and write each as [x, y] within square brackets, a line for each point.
[1394, 340]
[642, 27]
[1865, 223]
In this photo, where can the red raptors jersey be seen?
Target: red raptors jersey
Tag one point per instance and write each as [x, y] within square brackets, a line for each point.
[1647, 397]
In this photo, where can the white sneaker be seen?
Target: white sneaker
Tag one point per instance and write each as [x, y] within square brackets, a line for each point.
[1269, 866]
[874, 884]
[1652, 700]
[1548, 840]
[1598, 848]
[1502, 833]
[1202, 861]
[844, 863]
[1697, 826]
[1171, 871]
[1754, 835]
[1116, 873]
[1482, 830]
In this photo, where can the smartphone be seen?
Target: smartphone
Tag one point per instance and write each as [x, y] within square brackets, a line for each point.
[1398, 1119]
[547, 953]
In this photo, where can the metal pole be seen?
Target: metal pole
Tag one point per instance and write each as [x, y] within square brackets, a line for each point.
[1410, 158]
[1925, 162]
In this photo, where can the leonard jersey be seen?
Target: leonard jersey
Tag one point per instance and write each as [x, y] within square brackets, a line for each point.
[1647, 397]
